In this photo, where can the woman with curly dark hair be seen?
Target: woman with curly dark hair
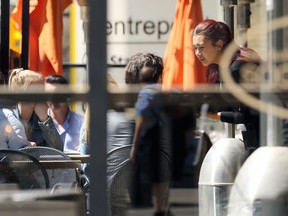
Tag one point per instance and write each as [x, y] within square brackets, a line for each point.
[150, 147]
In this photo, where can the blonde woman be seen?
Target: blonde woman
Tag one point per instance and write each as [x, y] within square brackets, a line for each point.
[120, 130]
[120, 127]
[30, 116]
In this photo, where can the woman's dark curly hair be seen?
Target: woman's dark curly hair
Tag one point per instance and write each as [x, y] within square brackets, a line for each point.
[134, 73]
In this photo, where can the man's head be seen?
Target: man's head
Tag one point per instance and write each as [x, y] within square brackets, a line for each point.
[144, 68]
[56, 79]
[52, 83]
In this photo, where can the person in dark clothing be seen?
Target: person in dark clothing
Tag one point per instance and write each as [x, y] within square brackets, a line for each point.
[150, 151]
[210, 39]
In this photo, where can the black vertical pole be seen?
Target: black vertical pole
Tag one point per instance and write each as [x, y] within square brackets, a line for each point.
[228, 11]
[271, 130]
[5, 50]
[229, 18]
[25, 34]
[96, 46]
[228, 7]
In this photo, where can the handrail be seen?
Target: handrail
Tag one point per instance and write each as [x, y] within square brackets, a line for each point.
[84, 65]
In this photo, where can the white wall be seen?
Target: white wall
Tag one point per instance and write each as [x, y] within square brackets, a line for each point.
[212, 9]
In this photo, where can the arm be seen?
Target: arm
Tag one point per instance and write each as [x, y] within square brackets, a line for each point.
[15, 141]
[83, 147]
[141, 107]
[12, 131]
[50, 134]
[138, 127]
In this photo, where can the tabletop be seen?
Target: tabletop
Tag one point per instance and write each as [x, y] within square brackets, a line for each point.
[61, 164]
[80, 157]
[54, 164]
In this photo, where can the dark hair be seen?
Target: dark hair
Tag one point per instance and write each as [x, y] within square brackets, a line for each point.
[215, 31]
[143, 68]
[56, 79]
[212, 74]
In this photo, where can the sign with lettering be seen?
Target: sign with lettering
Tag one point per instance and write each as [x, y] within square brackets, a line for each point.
[137, 26]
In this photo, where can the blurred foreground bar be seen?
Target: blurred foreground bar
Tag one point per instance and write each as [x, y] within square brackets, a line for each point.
[41, 202]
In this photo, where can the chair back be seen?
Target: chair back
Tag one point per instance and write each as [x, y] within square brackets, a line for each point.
[58, 177]
[119, 176]
[116, 159]
[22, 169]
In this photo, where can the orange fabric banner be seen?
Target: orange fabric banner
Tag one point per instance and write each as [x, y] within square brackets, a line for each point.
[45, 34]
[182, 69]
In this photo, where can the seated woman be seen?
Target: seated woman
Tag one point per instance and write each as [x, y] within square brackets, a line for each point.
[120, 130]
[120, 127]
[30, 119]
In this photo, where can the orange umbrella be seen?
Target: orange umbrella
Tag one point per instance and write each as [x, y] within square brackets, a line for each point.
[182, 69]
[45, 34]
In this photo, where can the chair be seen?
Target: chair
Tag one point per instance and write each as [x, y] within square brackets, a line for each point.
[22, 169]
[68, 178]
[119, 174]
[58, 177]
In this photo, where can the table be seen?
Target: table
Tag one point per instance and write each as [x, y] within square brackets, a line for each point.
[61, 164]
[82, 158]
[55, 164]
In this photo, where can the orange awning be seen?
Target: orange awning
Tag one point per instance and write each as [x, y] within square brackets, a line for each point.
[45, 34]
[182, 69]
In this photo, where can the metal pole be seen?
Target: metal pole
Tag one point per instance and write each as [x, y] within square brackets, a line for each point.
[5, 50]
[25, 34]
[228, 10]
[228, 7]
[243, 20]
[270, 125]
[97, 97]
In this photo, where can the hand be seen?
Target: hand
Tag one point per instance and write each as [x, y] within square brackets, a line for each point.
[33, 144]
[214, 116]
[41, 110]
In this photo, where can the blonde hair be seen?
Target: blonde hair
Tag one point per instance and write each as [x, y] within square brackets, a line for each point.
[20, 79]
[111, 82]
